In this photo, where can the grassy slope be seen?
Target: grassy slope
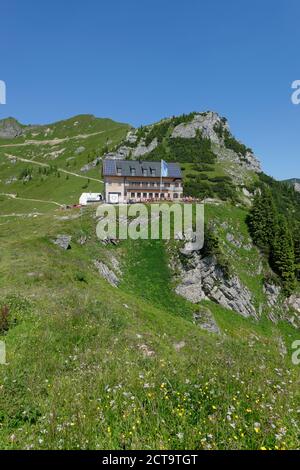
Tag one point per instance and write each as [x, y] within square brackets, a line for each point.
[90, 384]
[61, 188]
[77, 376]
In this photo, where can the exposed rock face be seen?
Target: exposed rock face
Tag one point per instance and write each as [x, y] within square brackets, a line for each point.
[205, 320]
[63, 241]
[107, 273]
[124, 151]
[293, 302]
[248, 162]
[142, 149]
[115, 264]
[251, 162]
[272, 293]
[207, 124]
[297, 187]
[120, 154]
[131, 137]
[10, 128]
[203, 278]
[89, 166]
[191, 287]
[203, 122]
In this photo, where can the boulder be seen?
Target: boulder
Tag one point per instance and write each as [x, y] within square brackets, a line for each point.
[205, 320]
[79, 150]
[107, 273]
[63, 241]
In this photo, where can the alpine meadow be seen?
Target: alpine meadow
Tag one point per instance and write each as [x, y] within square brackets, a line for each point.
[136, 344]
[149, 233]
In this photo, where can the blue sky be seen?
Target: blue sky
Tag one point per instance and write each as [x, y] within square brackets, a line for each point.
[137, 61]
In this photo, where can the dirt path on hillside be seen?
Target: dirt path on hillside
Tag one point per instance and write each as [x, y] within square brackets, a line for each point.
[46, 165]
[14, 196]
[57, 140]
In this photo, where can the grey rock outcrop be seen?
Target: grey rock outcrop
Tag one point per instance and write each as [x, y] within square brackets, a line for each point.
[272, 293]
[191, 287]
[11, 180]
[205, 320]
[206, 124]
[63, 241]
[131, 136]
[293, 302]
[107, 273]
[202, 278]
[119, 154]
[142, 148]
[79, 150]
[203, 122]
[89, 166]
[248, 162]
[10, 128]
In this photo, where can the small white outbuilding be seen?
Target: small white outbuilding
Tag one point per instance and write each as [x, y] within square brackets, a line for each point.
[89, 198]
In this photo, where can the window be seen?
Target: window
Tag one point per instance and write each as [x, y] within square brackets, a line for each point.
[175, 196]
[150, 195]
[132, 194]
[145, 172]
[153, 172]
[132, 171]
[145, 195]
[156, 194]
[138, 194]
[119, 171]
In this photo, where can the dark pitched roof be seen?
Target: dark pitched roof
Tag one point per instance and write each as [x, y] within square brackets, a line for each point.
[124, 168]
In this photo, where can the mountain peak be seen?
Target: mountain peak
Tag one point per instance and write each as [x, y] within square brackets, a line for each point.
[188, 138]
[10, 128]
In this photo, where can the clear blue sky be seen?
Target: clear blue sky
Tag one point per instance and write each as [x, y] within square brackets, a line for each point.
[137, 61]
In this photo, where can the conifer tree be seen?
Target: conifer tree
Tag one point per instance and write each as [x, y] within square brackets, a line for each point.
[297, 249]
[283, 255]
[263, 220]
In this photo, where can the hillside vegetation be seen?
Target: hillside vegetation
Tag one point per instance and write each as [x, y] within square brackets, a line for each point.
[114, 358]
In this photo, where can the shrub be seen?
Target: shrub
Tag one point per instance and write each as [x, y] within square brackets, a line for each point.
[4, 318]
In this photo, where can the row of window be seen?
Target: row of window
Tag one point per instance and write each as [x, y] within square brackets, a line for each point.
[153, 195]
[152, 184]
[133, 172]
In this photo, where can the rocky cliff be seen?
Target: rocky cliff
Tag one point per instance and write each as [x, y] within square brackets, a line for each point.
[10, 128]
[208, 125]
